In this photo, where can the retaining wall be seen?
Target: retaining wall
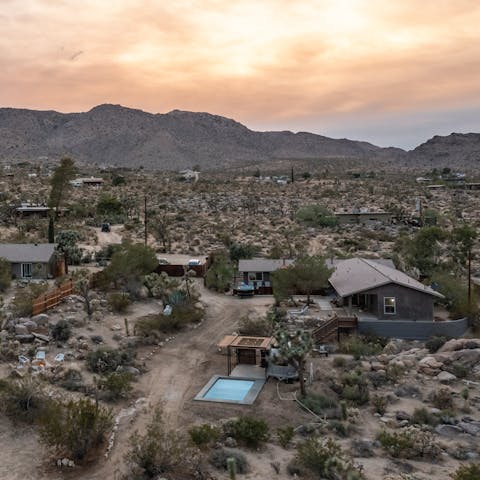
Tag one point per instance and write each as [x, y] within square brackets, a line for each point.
[413, 330]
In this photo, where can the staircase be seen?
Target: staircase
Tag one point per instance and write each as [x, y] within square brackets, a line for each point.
[330, 329]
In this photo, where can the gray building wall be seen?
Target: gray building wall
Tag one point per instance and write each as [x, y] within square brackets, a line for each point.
[411, 304]
[412, 330]
[39, 270]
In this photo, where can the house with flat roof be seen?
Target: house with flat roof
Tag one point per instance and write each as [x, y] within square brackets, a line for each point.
[256, 272]
[31, 260]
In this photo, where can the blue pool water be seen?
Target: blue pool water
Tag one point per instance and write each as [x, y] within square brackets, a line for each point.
[229, 389]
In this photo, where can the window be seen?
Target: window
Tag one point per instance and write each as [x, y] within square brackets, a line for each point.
[259, 276]
[389, 305]
[26, 270]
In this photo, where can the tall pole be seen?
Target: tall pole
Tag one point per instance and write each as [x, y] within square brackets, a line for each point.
[146, 220]
[469, 277]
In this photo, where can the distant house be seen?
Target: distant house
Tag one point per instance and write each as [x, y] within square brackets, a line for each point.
[375, 290]
[31, 210]
[31, 260]
[87, 181]
[256, 272]
[363, 217]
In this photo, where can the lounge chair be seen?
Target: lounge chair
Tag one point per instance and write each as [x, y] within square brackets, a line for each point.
[302, 311]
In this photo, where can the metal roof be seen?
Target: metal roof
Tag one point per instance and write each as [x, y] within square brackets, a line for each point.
[27, 252]
[356, 275]
[263, 264]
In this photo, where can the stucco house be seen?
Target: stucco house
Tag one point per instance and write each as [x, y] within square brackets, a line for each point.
[375, 289]
[31, 260]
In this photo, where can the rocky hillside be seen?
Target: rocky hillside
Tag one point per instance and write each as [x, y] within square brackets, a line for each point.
[115, 135]
[461, 150]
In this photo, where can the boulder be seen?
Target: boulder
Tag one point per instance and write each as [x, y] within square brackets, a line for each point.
[469, 428]
[42, 319]
[467, 356]
[459, 344]
[429, 362]
[21, 329]
[446, 377]
[449, 431]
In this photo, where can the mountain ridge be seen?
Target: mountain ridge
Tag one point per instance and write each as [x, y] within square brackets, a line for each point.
[111, 134]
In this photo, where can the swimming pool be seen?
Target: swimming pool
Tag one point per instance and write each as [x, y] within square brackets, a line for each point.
[231, 390]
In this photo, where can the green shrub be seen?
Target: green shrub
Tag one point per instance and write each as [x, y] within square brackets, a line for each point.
[339, 362]
[442, 399]
[421, 416]
[116, 385]
[204, 434]
[256, 327]
[342, 429]
[361, 346]
[159, 451]
[318, 403]
[219, 459]
[379, 403]
[467, 472]
[23, 301]
[316, 216]
[355, 388]
[326, 460]
[394, 372]
[106, 359]
[285, 435]
[118, 302]
[460, 370]
[182, 315]
[61, 331]
[22, 400]
[433, 344]
[248, 430]
[410, 442]
[76, 427]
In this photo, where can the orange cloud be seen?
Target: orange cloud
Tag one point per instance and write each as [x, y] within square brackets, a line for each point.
[254, 61]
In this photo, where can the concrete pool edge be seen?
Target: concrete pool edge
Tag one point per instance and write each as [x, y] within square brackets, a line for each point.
[249, 398]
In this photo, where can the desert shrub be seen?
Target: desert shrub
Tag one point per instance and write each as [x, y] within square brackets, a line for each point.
[377, 379]
[248, 430]
[178, 298]
[361, 346]
[116, 385]
[5, 275]
[410, 442]
[316, 216]
[421, 416]
[204, 434]
[61, 331]
[72, 380]
[318, 403]
[355, 388]
[285, 435]
[394, 372]
[22, 400]
[107, 359]
[219, 459]
[152, 325]
[467, 472]
[379, 403]
[342, 429]
[433, 344]
[118, 302]
[326, 459]
[257, 327]
[459, 370]
[23, 300]
[442, 399]
[339, 362]
[157, 452]
[76, 427]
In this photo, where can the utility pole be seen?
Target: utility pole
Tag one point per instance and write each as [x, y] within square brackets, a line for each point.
[146, 220]
[469, 277]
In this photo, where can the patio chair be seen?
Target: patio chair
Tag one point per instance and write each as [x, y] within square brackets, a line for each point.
[302, 311]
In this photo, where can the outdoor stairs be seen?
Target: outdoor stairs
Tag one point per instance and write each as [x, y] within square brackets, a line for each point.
[330, 329]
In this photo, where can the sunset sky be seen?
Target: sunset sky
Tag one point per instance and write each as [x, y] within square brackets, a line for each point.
[393, 72]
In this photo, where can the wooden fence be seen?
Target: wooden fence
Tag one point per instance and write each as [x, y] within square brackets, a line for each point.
[53, 298]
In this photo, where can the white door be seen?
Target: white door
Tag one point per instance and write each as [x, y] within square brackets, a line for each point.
[26, 270]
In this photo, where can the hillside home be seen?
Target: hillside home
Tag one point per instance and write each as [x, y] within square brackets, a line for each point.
[256, 272]
[371, 289]
[363, 217]
[31, 260]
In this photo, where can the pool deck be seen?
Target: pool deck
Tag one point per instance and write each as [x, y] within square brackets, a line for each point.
[249, 398]
[253, 372]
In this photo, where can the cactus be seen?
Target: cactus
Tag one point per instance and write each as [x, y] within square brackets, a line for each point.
[232, 468]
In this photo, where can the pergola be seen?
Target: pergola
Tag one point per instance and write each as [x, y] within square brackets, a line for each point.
[246, 348]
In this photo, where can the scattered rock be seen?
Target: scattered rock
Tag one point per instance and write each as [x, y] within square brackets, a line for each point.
[446, 377]
[449, 431]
